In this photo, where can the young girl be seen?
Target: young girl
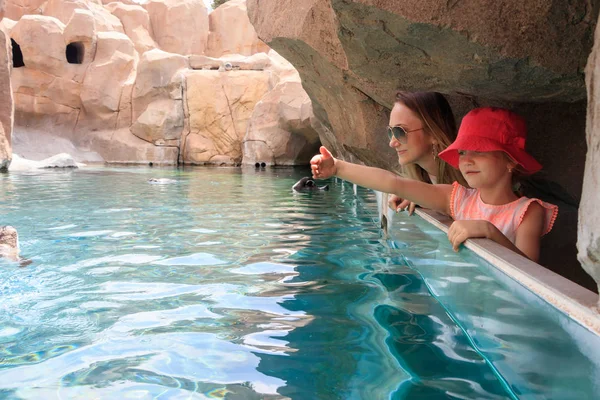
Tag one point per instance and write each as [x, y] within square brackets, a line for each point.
[422, 125]
[489, 150]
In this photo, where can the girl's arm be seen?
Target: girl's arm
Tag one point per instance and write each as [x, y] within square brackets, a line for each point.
[436, 197]
[528, 236]
[529, 233]
[479, 228]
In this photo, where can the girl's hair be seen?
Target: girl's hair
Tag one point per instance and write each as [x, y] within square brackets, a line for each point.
[518, 177]
[435, 113]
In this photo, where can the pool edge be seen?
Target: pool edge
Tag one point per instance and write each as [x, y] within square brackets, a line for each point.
[573, 300]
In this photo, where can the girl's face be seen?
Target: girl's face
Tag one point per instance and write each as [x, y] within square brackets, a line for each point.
[417, 149]
[484, 169]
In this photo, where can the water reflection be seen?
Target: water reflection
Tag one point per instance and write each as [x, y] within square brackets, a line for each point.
[228, 285]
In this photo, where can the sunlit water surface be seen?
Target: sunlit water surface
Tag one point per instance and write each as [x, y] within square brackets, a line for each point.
[225, 284]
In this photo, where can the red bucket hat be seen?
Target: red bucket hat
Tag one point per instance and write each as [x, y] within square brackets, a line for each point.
[492, 129]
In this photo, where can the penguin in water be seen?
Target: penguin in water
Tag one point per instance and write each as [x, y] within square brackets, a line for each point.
[307, 184]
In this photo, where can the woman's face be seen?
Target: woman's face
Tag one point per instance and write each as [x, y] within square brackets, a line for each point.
[417, 149]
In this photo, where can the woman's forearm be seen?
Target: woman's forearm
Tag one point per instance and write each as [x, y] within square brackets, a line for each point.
[369, 177]
[436, 197]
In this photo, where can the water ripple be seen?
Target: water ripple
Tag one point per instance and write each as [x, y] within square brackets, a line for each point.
[228, 285]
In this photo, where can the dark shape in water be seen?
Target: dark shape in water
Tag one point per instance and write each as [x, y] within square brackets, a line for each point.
[307, 184]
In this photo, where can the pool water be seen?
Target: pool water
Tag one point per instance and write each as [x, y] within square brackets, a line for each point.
[225, 284]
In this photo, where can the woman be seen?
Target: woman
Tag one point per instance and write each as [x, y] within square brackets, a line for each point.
[421, 126]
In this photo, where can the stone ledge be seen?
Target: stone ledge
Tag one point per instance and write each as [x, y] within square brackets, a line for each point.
[575, 301]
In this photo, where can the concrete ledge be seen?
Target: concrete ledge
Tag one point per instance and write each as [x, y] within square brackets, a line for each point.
[577, 302]
[573, 300]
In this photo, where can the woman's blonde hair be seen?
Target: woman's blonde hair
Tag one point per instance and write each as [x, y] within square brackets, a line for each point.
[438, 120]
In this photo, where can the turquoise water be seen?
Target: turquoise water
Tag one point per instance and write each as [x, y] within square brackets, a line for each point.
[227, 285]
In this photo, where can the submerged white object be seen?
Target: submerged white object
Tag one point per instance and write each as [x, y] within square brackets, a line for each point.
[161, 181]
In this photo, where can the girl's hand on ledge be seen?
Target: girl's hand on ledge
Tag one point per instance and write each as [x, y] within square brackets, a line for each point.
[462, 230]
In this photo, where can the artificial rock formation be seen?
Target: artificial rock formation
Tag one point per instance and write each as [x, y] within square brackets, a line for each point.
[16, 9]
[281, 131]
[158, 97]
[135, 83]
[220, 106]
[64, 10]
[354, 55]
[588, 242]
[6, 105]
[115, 61]
[33, 30]
[179, 26]
[231, 31]
[136, 23]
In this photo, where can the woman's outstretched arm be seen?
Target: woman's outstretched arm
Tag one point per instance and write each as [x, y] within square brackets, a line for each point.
[436, 197]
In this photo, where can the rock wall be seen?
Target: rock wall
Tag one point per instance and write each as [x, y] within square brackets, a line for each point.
[220, 106]
[6, 105]
[16, 9]
[588, 242]
[112, 79]
[231, 31]
[179, 26]
[354, 55]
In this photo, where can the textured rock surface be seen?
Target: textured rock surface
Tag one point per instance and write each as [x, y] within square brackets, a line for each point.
[161, 121]
[115, 62]
[81, 29]
[354, 55]
[6, 105]
[179, 26]
[280, 130]
[219, 107]
[588, 242]
[64, 9]
[38, 145]
[120, 81]
[136, 24]
[158, 97]
[5, 151]
[231, 31]
[42, 43]
[15, 9]
[120, 146]
[508, 50]
[43, 100]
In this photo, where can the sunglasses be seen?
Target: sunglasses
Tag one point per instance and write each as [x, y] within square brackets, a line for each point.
[399, 133]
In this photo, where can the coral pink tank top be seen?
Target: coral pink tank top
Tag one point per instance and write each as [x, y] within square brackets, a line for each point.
[466, 204]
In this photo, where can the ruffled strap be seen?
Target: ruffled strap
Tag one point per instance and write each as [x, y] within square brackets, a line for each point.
[457, 195]
[551, 212]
